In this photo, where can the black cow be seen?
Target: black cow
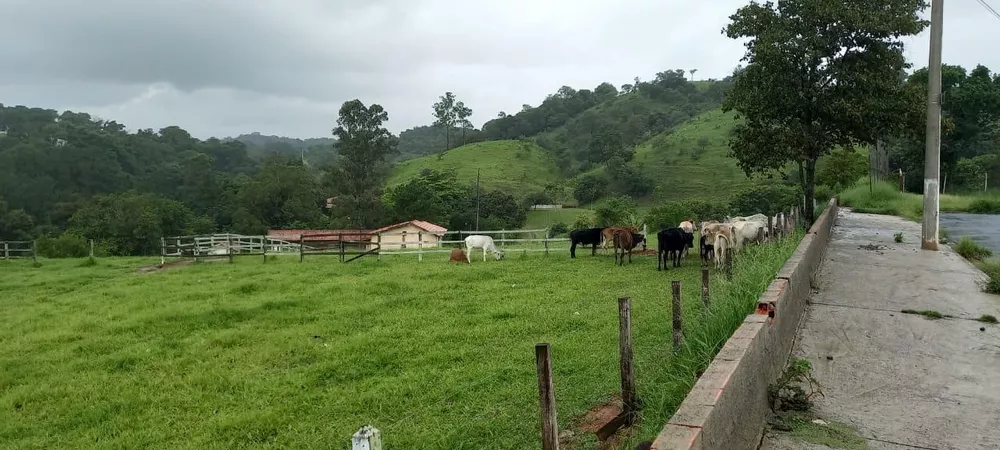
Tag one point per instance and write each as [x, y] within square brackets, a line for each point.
[585, 236]
[707, 249]
[671, 243]
[638, 238]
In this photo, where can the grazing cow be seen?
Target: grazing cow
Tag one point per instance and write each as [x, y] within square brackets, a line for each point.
[688, 227]
[608, 233]
[483, 242]
[744, 232]
[707, 250]
[671, 243]
[459, 256]
[754, 218]
[722, 242]
[622, 240]
[584, 236]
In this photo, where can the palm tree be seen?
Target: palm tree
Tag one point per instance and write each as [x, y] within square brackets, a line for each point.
[693, 71]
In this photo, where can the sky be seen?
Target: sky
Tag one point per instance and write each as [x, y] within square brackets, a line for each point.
[226, 67]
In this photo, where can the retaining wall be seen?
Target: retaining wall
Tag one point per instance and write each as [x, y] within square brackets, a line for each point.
[727, 407]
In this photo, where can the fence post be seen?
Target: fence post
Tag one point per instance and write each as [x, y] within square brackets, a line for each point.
[760, 234]
[229, 246]
[546, 242]
[163, 250]
[420, 246]
[675, 287]
[341, 240]
[546, 398]
[92, 246]
[367, 438]
[6, 250]
[378, 243]
[263, 246]
[770, 227]
[630, 402]
[705, 294]
[302, 254]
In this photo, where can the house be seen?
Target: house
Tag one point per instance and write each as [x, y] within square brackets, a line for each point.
[324, 238]
[406, 234]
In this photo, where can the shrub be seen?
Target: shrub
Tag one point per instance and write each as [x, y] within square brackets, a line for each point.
[558, 228]
[66, 245]
[972, 250]
[584, 221]
[617, 211]
[768, 199]
[668, 215]
[992, 271]
[703, 210]
[898, 237]
[590, 188]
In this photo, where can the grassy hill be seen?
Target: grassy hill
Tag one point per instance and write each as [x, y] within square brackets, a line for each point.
[691, 161]
[518, 167]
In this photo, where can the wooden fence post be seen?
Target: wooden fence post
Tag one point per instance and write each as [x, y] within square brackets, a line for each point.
[302, 254]
[630, 402]
[675, 287]
[263, 246]
[705, 294]
[420, 246]
[546, 398]
[760, 234]
[163, 250]
[341, 241]
[34, 251]
[229, 245]
[6, 250]
[367, 438]
[92, 246]
[546, 242]
[378, 243]
[770, 227]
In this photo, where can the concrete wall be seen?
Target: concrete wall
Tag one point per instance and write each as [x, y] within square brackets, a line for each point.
[727, 407]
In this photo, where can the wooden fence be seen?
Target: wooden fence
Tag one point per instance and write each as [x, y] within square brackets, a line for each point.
[421, 243]
[223, 246]
[18, 249]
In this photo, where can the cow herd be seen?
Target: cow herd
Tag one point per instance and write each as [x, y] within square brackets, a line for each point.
[715, 240]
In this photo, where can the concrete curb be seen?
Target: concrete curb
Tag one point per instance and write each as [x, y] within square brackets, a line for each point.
[727, 407]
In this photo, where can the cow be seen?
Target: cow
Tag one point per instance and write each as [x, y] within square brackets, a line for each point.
[688, 227]
[459, 256]
[746, 231]
[723, 241]
[622, 240]
[707, 249]
[483, 242]
[608, 232]
[754, 218]
[584, 236]
[671, 243]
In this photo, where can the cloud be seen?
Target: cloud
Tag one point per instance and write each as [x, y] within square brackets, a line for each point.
[225, 67]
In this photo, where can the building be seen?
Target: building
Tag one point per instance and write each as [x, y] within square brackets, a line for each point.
[406, 234]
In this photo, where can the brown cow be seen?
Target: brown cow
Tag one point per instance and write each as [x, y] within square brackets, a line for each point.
[608, 233]
[458, 255]
[622, 240]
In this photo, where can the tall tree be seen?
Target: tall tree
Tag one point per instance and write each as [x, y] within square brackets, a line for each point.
[446, 116]
[365, 147]
[819, 74]
[462, 114]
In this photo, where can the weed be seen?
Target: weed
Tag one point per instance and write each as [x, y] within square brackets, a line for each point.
[985, 205]
[89, 262]
[801, 426]
[972, 250]
[788, 393]
[986, 318]
[36, 264]
[928, 314]
[898, 237]
[992, 271]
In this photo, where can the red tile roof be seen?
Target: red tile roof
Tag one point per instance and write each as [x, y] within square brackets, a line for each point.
[423, 225]
[320, 235]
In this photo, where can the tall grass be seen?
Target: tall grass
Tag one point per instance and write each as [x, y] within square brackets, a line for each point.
[885, 198]
[972, 250]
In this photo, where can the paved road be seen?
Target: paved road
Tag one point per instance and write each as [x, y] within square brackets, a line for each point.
[903, 381]
[983, 228]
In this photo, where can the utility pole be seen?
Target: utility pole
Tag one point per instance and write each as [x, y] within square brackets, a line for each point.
[932, 151]
[477, 198]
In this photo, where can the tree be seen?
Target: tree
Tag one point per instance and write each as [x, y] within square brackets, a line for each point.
[357, 179]
[282, 194]
[693, 71]
[819, 75]
[462, 113]
[446, 115]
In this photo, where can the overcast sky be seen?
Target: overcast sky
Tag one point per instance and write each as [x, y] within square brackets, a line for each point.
[226, 67]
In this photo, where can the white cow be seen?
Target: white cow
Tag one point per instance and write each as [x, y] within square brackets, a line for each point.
[754, 218]
[483, 242]
[746, 231]
[721, 243]
[688, 227]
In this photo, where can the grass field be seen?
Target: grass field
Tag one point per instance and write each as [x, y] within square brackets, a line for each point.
[519, 168]
[300, 355]
[691, 161]
[545, 218]
[885, 198]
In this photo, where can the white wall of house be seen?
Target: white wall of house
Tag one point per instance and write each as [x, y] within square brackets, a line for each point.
[393, 239]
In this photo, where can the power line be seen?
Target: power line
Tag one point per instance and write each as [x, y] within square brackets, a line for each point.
[989, 8]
